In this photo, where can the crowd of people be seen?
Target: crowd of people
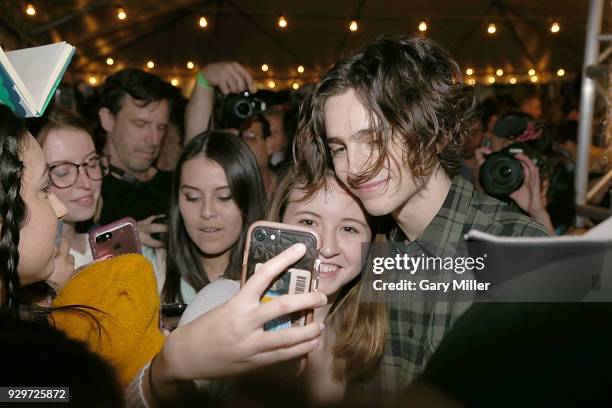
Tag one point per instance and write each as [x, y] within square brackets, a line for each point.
[387, 148]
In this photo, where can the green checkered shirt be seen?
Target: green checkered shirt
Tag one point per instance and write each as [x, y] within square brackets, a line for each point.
[418, 323]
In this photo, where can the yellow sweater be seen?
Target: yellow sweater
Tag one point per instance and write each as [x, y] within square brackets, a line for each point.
[124, 289]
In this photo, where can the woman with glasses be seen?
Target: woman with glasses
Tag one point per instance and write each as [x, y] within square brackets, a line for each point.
[76, 170]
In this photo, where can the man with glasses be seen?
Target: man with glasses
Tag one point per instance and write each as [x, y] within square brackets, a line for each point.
[134, 112]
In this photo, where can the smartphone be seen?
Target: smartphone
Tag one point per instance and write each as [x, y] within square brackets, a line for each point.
[114, 239]
[267, 239]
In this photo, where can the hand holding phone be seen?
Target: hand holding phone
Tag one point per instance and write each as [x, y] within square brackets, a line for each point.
[265, 240]
[114, 239]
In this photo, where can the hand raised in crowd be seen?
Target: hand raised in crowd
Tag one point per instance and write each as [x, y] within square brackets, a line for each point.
[230, 339]
[230, 77]
[147, 227]
[529, 196]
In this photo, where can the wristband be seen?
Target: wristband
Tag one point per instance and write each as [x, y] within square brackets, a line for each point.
[202, 82]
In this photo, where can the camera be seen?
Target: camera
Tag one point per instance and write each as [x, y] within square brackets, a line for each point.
[501, 174]
[240, 107]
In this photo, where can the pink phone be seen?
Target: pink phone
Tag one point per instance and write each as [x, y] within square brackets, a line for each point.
[114, 239]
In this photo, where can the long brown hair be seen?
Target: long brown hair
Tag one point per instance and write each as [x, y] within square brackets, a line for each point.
[412, 92]
[360, 326]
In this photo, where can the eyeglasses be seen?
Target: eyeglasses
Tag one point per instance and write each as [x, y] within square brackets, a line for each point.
[65, 174]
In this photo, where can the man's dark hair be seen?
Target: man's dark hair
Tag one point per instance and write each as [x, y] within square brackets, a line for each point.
[140, 85]
[411, 89]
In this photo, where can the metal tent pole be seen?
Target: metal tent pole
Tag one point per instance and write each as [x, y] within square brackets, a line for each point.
[587, 104]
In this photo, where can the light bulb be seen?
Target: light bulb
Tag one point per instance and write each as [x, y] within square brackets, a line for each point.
[554, 28]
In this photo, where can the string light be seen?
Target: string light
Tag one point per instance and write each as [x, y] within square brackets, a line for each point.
[30, 10]
[282, 22]
[499, 72]
[469, 71]
[513, 80]
[295, 86]
[300, 69]
[554, 28]
[203, 22]
[190, 65]
[491, 29]
[534, 78]
[265, 67]
[150, 64]
[471, 81]
[174, 82]
[353, 26]
[271, 84]
[121, 14]
[491, 79]
[93, 80]
[531, 72]
[423, 26]
[560, 72]
[110, 61]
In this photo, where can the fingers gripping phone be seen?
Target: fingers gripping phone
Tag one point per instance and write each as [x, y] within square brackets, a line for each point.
[265, 240]
[114, 239]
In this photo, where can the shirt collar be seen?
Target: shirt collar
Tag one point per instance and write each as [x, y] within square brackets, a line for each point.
[445, 231]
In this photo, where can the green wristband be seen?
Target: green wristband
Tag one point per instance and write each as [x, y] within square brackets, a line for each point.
[202, 82]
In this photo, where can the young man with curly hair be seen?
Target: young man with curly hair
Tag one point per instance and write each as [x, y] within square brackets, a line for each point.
[391, 120]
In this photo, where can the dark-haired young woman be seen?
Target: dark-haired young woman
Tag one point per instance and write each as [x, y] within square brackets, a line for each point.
[217, 193]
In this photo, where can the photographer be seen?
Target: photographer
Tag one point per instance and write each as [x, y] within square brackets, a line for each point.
[240, 114]
[229, 77]
[507, 170]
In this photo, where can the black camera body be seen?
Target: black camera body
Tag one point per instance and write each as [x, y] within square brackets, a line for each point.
[242, 106]
[501, 174]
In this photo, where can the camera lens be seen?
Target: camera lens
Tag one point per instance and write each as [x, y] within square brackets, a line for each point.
[501, 174]
[243, 109]
[260, 235]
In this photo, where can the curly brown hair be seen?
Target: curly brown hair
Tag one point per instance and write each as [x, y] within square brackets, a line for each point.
[411, 89]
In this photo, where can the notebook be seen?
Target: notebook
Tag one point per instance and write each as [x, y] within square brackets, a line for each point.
[29, 76]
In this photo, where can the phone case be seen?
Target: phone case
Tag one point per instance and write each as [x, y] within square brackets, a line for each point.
[114, 239]
[301, 277]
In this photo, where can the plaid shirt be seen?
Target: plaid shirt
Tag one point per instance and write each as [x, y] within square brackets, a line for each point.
[417, 323]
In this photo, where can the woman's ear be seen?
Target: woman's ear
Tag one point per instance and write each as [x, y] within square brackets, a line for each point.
[107, 119]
